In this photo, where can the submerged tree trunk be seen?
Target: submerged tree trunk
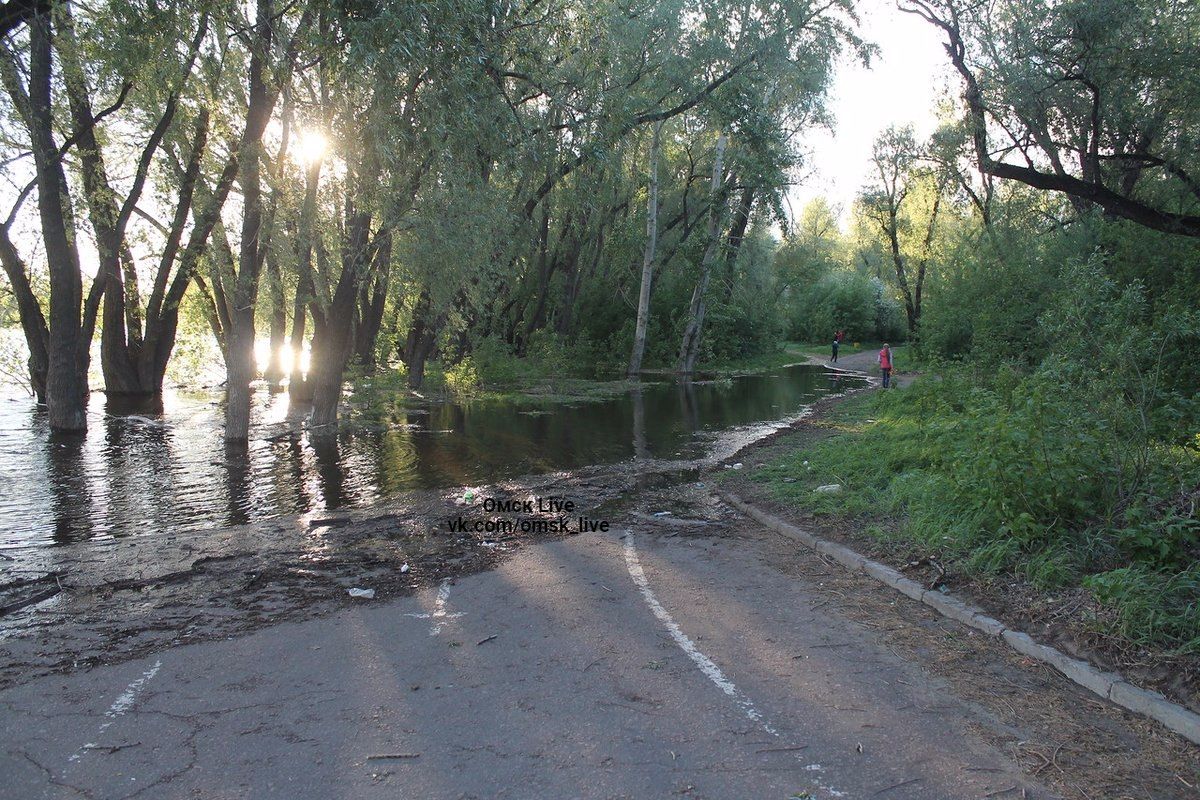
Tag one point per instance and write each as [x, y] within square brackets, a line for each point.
[274, 373]
[421, 341]
[643, 309]
[239, 356]
[299, 387]
[29, 311]
[689, 349]
[337, 335]
[240, 353]
[71, 327]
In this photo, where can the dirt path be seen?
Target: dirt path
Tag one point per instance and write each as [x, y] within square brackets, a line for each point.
[866, 362]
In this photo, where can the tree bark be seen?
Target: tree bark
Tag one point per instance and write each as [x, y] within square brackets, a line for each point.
[737, 232]
[278, 328]
[70, 332]
[421, 341]
[372, 302]
[239, 357]
[29, 311]
[306, 290]
[643, 309]
[338, 333]
[689, 349]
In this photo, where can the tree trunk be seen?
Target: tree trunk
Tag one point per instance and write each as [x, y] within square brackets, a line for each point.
[240, 371]
[737, 232]
[297, 382]
[29, 311]
[643, 309]
[372, 302]
[274, 372]
[689, 349]
[240, 358]
[338, 333]
[299, 386]
[70, 331]
[421, 341]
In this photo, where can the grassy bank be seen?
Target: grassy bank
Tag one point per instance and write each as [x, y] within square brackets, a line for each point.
[1015, 480]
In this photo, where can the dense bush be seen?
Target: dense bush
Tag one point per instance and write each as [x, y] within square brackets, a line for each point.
[842, 300]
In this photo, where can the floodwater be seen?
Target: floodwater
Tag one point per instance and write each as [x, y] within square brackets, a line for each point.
[133, 475]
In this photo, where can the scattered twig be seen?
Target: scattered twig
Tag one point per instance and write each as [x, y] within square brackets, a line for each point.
[393, 755]
[486, 639]
[36, 597]
[783, 749]
[1001, 791]
[898, 785]
[110, 748]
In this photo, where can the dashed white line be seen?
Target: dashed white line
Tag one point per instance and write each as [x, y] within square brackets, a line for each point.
[706, 664]
[439, 614]
[123, 703]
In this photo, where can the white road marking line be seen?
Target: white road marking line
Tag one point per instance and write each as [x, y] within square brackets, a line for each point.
[706, 664]
[123, 703]
[439, 613]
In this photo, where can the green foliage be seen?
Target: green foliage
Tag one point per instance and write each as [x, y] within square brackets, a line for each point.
[847, 301]
[1020, 475]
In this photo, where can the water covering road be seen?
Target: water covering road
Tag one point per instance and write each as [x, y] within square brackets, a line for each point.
[134, 475]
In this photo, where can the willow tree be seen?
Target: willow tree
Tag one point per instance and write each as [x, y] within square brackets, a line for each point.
[903, 200]
[593, 80]
[1096, 99]
[274, 36]
[62, 345]
[139, 92]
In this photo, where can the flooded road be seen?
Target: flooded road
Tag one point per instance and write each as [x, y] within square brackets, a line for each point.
[144, 474]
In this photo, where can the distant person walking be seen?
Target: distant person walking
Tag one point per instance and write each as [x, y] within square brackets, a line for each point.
[885, 364]
[837, 341]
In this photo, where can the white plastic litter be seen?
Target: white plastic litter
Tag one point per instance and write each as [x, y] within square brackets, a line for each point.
[404, 567]
[366, 594]
[662, 513]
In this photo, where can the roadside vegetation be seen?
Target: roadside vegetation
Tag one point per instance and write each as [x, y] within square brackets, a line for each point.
[1082, 470]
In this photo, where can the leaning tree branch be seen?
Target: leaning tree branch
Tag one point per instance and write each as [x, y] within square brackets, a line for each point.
[1114, 203]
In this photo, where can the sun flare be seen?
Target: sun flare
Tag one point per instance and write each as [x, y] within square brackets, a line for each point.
[313, 146]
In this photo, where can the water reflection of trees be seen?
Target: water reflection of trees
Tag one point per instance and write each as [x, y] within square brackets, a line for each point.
[70, 489]
[133, 475]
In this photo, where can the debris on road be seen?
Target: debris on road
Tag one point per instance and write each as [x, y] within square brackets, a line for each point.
[393, 755]
[366, 594]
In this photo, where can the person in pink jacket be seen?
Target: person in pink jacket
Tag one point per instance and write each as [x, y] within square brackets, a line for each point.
[885, 364]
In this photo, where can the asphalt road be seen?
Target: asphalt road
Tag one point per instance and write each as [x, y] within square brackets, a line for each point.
[655, 660]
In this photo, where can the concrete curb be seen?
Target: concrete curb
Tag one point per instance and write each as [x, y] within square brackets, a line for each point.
[1109, 685]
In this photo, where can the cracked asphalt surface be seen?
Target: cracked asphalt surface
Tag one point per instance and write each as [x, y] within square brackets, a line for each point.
[548, 676]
